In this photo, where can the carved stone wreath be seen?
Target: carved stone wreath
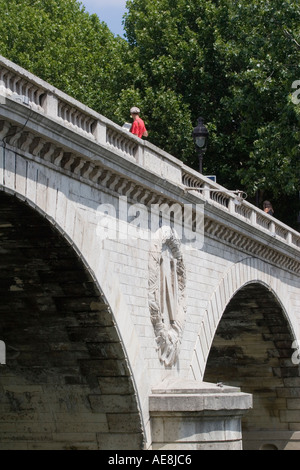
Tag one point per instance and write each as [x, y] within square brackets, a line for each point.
[167, 280]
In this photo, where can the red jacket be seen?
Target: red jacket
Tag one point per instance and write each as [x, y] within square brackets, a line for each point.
[138, 127]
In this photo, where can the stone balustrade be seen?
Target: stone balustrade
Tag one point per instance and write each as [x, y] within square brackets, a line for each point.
[227, 200]
[22, 86]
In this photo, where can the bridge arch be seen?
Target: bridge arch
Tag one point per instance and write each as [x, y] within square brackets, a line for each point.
[247, 271]
[67, 381]
[252, 349]
[65, 160]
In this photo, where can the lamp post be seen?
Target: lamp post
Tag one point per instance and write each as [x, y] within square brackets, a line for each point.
[200, 136]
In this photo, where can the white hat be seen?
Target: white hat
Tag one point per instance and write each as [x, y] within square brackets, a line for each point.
[135, 110]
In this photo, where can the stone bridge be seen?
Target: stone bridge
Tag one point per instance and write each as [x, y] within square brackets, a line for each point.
[143, 306]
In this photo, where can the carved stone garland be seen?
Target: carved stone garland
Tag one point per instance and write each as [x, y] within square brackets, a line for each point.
[167, 281]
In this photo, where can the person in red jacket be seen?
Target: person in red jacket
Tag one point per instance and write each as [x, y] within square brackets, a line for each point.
[138, 126]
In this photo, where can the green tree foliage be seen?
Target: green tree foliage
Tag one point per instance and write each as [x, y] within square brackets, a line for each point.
[233, 62]
[61, 43]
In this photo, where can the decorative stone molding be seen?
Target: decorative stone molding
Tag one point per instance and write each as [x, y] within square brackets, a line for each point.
[63, 159]
[250, 245]
[167, 279]
[19, 86]
[80, 167]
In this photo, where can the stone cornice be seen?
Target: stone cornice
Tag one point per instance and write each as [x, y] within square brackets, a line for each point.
[252, 246]
[49, 111]
[102, 168]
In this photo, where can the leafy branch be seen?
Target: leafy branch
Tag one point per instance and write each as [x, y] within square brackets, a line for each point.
[289, 35]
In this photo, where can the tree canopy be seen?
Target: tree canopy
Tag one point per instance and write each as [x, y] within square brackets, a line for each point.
[234, 62]
[60, 42]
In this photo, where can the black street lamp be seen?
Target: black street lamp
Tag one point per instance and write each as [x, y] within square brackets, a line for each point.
[200, 136]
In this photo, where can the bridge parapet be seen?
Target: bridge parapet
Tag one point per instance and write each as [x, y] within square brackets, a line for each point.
[227, 200]
[20, 85]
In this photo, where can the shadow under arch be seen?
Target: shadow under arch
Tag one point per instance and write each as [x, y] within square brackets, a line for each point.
[66, 383]
[252, 349]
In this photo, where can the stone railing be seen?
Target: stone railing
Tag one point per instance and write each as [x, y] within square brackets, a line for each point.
[22, 86]
[228, 201]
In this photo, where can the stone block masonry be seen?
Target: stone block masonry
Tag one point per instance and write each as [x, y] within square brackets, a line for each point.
[61, 343]
[92, 323]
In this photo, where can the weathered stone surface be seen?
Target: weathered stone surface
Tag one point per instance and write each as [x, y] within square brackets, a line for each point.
[58, 347]
[75, 304]
[192, 415]
[257, 360]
